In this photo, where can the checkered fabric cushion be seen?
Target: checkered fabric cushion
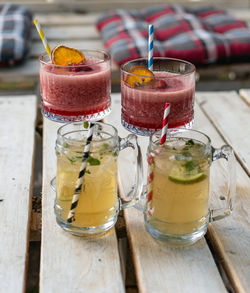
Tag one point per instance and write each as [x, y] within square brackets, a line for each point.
[15, 33]
[201, 35]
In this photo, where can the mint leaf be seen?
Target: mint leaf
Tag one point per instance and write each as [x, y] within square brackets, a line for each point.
[105, 146]
[186, 153]
[190, 142]
[74, 159]
[65, 145]
[190, 165]
[86, 124]
[93, 161]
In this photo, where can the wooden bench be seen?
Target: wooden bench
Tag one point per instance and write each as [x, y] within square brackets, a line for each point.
[217, 263]
[73, 24]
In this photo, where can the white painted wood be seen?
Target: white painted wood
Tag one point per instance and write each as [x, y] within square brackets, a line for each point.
[27, 72]
[37, 47]
[231, 236]
[99, 5]
[245, 94]
[242, 14]
[69, 32]
[67, 18]
[17, 144]
[160, 268]
[231, 116]
[70, 263]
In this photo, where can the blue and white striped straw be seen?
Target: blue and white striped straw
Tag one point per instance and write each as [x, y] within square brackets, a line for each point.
[150, 46]
[75, 199]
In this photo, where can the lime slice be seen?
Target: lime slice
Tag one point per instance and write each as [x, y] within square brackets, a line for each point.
[179, 175]
[188, 179]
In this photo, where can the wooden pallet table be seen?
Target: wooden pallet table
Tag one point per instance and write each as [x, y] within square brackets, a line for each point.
[220, 262]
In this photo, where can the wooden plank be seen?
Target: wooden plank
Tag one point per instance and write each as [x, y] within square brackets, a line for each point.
[28, 71]
[160, 268]
[99, 5]
[242, 14]
[66, 18]
[37, 48]
[69, 32]
[245, 94]
[231, 236]
[231, 116]
[70, 263]
[224, 72]
[17, 128]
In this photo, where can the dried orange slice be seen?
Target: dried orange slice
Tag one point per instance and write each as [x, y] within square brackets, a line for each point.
[62, 55]
[139, 76]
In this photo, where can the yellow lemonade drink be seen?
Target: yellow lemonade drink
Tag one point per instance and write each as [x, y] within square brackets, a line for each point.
[98, 198]
[178, 204]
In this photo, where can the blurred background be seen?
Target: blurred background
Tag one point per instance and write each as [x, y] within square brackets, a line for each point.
[73, 23]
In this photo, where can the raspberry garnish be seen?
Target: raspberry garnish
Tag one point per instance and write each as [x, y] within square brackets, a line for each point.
[160, 84]
[156, 84]
[77, 67]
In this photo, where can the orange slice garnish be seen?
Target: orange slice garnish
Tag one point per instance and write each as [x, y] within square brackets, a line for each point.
[62, 55]
[139, 76]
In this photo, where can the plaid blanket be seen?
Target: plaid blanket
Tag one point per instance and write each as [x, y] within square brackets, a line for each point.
[15, 33]
[201, 35]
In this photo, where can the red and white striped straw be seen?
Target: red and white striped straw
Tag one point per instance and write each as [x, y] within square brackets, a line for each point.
[165, 123]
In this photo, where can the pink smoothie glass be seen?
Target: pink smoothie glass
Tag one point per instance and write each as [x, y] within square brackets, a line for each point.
[76, 92]
[143, 104]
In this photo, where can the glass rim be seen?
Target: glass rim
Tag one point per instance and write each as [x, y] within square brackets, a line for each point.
[106, 54]
[85, 130]
[159, 58]
[177, 130]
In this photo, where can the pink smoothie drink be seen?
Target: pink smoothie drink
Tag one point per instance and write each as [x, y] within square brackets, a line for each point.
[143, 104]
[76, 92]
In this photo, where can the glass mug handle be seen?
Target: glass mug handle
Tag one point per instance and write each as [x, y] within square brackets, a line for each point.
[135, 193]
[225, 152]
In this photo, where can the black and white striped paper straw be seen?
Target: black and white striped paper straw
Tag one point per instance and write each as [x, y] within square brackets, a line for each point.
[74, 203]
